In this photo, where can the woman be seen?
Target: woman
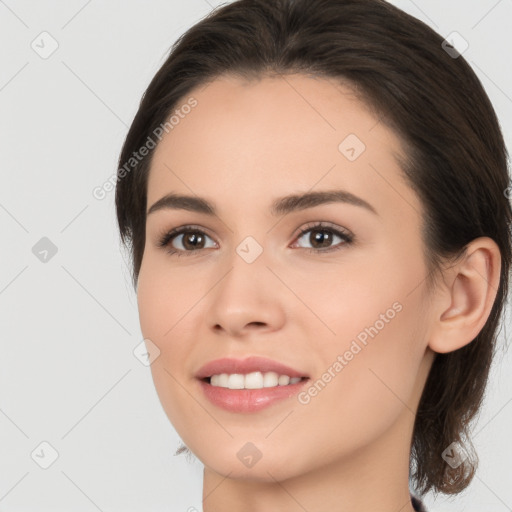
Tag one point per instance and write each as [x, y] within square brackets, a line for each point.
[314, 197]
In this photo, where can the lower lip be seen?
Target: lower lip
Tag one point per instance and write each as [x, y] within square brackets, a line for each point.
[249, 400]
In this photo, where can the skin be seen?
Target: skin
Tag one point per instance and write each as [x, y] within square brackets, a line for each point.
[241, 147]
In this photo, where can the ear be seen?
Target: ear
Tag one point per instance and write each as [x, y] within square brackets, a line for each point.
[463, 304]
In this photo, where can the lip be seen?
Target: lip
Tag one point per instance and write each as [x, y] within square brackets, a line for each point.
[247, 400]
[248, 365]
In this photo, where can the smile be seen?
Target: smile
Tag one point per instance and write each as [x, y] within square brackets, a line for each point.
[253, 380]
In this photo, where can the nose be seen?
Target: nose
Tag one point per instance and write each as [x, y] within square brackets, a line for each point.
[247, 298]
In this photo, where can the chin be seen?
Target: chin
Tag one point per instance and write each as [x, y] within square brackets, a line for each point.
[243, 461]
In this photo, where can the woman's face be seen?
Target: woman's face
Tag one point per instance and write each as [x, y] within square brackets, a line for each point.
[343, 304]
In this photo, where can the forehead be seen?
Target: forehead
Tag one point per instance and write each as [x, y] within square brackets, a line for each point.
[274, 133]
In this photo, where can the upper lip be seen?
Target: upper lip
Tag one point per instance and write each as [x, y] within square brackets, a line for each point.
[248, 365]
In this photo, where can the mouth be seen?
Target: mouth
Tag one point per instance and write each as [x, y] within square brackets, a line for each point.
[253, 380]
[249, 385]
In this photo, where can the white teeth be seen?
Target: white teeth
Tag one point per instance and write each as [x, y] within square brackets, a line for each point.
[236, 381]
[283, 380]
[253, 380]
[270, 379]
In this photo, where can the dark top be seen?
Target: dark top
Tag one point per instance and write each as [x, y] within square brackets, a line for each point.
[417, 504]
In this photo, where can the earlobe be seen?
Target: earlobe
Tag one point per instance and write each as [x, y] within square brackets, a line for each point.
[470, 291]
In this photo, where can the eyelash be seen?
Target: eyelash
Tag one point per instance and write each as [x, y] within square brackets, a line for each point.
[347, 237]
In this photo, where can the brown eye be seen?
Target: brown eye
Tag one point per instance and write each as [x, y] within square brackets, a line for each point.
[320, 238]
[324, 238]
[192, 240]
[184, 240]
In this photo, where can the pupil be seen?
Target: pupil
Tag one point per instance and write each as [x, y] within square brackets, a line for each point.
[192, 240]
[321, 236]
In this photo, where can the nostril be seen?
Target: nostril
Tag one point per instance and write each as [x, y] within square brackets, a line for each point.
[257, 323]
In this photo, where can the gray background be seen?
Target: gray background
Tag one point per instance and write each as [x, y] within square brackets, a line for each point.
[68, 375]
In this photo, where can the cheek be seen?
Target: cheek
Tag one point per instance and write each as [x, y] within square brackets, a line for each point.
[164, 296]
[160, 308]
[374, 343]
[374, 382]
[166, 299]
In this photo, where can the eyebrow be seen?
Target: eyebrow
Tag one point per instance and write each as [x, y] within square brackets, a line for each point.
[280, 206]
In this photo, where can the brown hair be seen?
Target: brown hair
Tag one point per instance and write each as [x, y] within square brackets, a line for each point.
[456, 160]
